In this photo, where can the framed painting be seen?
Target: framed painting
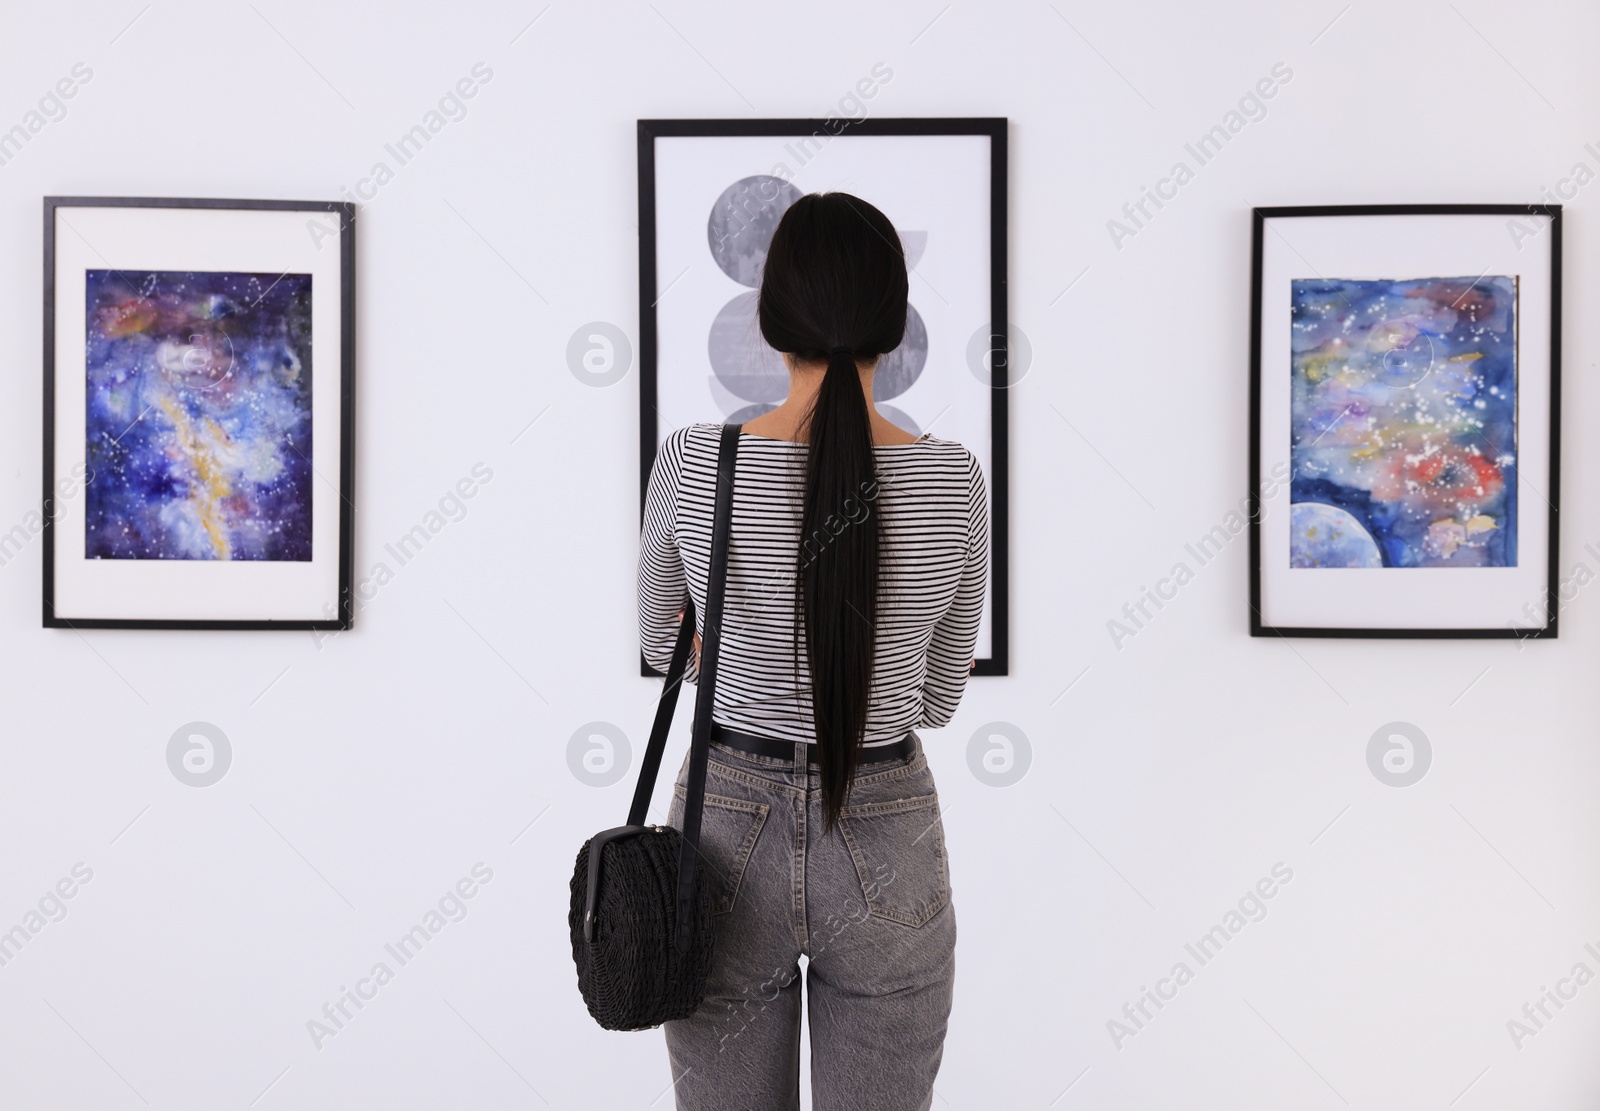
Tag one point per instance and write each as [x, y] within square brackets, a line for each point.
[1405, 421]
[710, 196]
[199, 384]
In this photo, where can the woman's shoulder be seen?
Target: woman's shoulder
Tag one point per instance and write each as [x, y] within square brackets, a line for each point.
[695, 446]
[690, 439]
[931, 450]
[690, 452]
[933, 475]
[939, 443]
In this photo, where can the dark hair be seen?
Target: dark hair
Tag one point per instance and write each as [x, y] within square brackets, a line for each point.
[834, 287]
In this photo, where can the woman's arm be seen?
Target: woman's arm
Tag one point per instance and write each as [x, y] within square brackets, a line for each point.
[956, 634]
[662, 585]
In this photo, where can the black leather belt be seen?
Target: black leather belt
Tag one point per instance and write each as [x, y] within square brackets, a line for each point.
[903, 749]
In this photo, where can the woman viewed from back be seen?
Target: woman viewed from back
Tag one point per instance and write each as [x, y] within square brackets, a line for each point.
[857, 567]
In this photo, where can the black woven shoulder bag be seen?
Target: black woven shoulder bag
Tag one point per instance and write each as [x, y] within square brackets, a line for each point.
[641, 924]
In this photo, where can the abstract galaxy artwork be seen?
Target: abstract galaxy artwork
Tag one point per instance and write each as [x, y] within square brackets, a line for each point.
[711, 194]
[198, 415]
[199, 385]
[1403, 413]
[1405, 421]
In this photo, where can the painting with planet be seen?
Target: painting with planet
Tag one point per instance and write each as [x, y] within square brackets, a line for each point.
[198, 416]
[1403, 415]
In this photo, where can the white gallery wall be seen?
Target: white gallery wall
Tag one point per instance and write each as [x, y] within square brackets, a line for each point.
[1167, 776]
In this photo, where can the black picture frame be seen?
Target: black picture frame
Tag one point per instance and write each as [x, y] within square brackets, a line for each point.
[1260, 215]
[994, 128]
[346, 212]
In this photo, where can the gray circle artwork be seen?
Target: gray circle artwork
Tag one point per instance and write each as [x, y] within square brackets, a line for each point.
[981, 349]
[1399, 754]
[198, 754]
[598, 754]
[742, 222]
[741, 359]
[999, 754]
[899, 370]
[749, 413]
[752, 371]
[739, 231]
[599, 354]
[898, 418]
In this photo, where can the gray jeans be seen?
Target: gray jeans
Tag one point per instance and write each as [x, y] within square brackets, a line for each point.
[868, 904]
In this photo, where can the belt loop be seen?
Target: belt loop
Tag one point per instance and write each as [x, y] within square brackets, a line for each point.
[801, 760]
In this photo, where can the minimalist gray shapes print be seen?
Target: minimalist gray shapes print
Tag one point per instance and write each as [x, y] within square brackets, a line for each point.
[742, 222]
[899, 419]
[900, 368]
[740, 358]
[749, 377]
[913, 243]
[750, 412]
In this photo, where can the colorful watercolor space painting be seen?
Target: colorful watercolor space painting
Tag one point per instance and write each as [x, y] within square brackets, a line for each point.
[198, 416]
[1404, 423]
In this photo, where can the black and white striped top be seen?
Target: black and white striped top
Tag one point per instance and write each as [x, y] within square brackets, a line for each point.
[934, 522]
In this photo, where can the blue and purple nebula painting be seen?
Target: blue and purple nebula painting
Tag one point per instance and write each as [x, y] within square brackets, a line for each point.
[198, 415]
[1403, 412]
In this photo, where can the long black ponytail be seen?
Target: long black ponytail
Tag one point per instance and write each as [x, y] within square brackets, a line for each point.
[834, 288]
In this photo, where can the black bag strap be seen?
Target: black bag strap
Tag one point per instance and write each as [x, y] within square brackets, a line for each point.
[700, 741]
[665, 709]
[710, 649]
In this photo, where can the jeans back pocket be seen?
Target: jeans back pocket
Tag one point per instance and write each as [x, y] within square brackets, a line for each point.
[728, 831]
[898, 848]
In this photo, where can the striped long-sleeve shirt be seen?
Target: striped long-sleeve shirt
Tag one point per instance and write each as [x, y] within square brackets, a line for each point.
[934, 528]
